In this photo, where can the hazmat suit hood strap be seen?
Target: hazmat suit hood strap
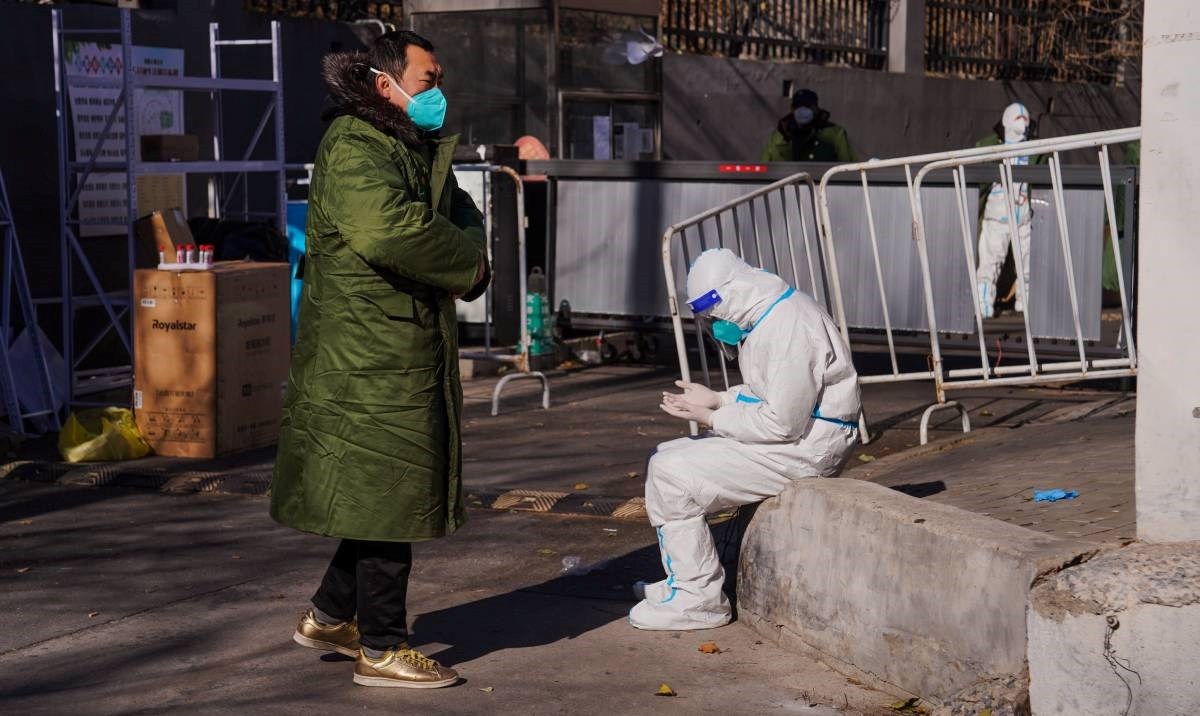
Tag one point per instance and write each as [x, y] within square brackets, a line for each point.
[352, 92]
[746, 292]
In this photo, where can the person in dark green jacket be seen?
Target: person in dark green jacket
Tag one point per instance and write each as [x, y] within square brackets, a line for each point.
[369, 448]
[807, 135]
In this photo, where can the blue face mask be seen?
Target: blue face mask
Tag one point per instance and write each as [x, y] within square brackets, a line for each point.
[732, 334]
[427, 109]
[803, 115]
[728, 332]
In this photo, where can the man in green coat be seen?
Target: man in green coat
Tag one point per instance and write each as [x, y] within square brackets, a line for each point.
[807, 135]
[369, 448]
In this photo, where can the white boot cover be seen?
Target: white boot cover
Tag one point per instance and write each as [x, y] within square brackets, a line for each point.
[692, 596]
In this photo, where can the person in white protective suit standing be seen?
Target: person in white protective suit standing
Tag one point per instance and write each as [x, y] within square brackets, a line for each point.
[995, 234]
[794, 417]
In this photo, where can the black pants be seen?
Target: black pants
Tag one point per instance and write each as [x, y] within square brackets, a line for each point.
[369, 579]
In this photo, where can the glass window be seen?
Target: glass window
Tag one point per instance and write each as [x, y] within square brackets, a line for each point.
[495, 65]
[616, 129]
[591, 51]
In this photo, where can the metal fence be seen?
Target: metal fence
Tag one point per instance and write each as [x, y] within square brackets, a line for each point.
[838, 32]
[1065, 40]
[774, 228]
[894, 263]
[928, 269]
[1035, 370]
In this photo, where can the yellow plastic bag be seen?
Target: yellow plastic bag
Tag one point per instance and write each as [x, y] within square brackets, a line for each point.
[101, 434]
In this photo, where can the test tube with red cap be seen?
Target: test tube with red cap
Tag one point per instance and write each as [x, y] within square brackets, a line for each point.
[179, 254]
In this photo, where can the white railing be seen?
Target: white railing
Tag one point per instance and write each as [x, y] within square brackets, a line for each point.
[785, 232]
[1033, 371]
[780, 212]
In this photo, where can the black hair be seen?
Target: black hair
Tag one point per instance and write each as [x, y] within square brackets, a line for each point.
[389, 53]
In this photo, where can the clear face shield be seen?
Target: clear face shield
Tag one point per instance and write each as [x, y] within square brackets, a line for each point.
[720, 332]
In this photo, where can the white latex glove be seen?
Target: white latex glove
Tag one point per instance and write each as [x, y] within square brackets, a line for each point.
[679, 406]
[699, 395]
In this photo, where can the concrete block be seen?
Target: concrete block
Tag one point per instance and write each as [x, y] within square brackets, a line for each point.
[1119, 634]
[472, 368]
[926, 597]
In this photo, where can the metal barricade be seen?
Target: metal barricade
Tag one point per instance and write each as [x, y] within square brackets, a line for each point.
[896, 234]
[520, 359]
[752, 226]
[900, 264]
[1034, 371]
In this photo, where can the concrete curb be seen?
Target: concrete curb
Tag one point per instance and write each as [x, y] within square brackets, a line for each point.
[925, 597]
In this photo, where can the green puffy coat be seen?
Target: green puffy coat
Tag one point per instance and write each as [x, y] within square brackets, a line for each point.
[369, 445]
[820, 141]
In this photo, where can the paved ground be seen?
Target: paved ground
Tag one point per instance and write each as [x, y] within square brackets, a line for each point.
[182, 597]
[117, 600]
[995, 472]
[587, 454]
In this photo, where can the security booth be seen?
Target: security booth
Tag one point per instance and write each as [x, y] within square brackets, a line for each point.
[582, 76]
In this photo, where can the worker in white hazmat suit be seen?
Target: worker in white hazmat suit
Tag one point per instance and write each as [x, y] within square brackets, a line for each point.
[794, 417]
[995, 233]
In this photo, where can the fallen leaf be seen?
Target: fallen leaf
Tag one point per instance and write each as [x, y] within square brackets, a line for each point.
[906, 705]
[709, 647]
[93, 615]
[665, 690]
[986, 413]
[23, 570]
[547, 552]
[24, 522]
[633, 475]
[236, 556]
[581, 486]
[641, 432]
[862, 456]
[488, 689]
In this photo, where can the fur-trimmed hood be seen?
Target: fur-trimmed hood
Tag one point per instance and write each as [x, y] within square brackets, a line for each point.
[352, 92]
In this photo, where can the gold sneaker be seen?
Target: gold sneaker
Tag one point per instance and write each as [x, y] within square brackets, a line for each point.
[404, 668]
[342, 638]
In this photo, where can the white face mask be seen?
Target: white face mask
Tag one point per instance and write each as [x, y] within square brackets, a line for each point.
[1016, 123]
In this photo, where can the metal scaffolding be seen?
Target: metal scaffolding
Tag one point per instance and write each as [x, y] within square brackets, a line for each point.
[13, 371]
[82, 287]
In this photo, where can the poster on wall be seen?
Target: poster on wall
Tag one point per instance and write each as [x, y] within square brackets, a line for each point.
[102, 197]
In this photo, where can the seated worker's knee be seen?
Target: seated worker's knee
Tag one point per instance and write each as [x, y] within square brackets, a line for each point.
[668, 493]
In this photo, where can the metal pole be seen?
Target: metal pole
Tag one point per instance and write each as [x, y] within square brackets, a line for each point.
[215, 181]
[1106, 176]
[1065, 240]
[960, 186]
[131, 158]
[280, 148]
[1014, 231]
[883, 304]
[64, 163]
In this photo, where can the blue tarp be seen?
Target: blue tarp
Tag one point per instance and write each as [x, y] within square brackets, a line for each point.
[297, 217]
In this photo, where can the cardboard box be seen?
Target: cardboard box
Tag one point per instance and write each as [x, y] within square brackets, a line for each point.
[211, 355]
[160, 192]
[170, 148]
[166, 229]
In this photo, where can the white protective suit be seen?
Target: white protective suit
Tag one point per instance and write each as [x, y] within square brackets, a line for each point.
[764, 434]
[995, 235]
